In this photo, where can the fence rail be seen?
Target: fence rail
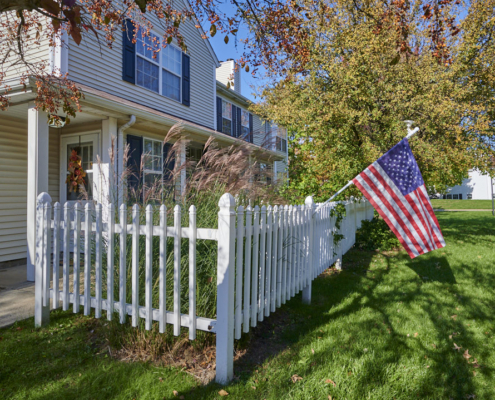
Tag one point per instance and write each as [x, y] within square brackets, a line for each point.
[265, 257]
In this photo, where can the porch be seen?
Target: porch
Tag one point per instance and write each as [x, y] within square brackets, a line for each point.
[34, 155]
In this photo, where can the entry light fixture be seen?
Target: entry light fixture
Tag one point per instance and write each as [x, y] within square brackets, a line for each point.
[56, 121]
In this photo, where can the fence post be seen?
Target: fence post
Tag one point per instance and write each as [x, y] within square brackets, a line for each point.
[41, 311]
[306, 295]
[225, 290]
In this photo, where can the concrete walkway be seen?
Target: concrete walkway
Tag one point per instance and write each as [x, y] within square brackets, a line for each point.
[16, 295]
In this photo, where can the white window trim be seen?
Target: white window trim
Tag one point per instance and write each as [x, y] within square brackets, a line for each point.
[160, 67]
[151, 171]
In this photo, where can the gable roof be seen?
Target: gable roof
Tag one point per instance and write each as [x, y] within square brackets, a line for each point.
[202, 32]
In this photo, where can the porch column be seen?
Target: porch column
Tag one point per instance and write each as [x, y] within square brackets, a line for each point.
[37, 178]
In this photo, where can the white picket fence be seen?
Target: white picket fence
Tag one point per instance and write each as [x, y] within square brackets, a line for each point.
[266, 256]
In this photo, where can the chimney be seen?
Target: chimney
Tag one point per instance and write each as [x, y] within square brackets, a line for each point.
[226, 74]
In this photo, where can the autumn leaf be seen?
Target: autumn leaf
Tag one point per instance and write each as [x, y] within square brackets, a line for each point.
[454, 317]
[415, 334]
[457, 347]
[331, 382]
[226, 39]
[223, 393]
[313, 351]
[213, 30]
[176, 393]
[294, 378]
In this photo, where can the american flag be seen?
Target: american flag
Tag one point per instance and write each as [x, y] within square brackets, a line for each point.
[395, 187]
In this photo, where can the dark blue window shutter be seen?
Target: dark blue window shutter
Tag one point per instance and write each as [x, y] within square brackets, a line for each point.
[250, 140]
[128, 53]
[239, 122]
[186, 80]
[135, 144]
[219, 114]
[234, 121]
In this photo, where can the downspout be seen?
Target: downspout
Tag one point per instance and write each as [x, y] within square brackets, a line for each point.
[120, 156]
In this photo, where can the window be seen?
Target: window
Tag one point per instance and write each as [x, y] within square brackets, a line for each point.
[455, 197]
[153, 165]
[470, 196]
[226, 117]
[449, 197]
[244, 124]
[151, 59]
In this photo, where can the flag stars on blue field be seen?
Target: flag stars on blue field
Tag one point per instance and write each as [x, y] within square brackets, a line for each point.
[400, 165]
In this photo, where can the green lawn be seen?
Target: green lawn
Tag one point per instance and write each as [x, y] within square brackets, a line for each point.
[462, 204]
[384, 328]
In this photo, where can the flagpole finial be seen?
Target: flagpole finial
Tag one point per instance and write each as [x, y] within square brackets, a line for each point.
[410, 132]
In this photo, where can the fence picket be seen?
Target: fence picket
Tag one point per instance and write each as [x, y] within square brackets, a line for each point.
[192, 272]
[274, 285]
[177, 257]
[110, 259]
[98, 260]
[163, 267]
[66, 261]
[280, 241]
[238, 275]
[46, 257]
[268, 265]
[56, 255]
[123, 263]
[285, 248]
[149, 266]
[255, 271]
[135, 265]
[289, 253]
[247, 270]
[87, 257]
[262, 257]
[75, 269]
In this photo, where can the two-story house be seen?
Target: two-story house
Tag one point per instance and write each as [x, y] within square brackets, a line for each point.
[233, 118]
[130, 97]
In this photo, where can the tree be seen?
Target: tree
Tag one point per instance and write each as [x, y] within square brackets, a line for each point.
[279, 39]
[346, 107]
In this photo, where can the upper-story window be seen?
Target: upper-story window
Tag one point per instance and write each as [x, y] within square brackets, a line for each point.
[158, 69]
[226, 117]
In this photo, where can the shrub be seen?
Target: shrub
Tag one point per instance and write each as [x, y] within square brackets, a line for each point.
[376, 235]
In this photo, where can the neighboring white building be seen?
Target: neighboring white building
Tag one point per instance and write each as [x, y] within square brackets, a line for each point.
[476, 187]
[129, 97]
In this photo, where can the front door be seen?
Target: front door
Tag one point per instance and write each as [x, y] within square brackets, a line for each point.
[86, 147]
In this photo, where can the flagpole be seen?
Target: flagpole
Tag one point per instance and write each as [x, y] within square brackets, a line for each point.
[410, 134]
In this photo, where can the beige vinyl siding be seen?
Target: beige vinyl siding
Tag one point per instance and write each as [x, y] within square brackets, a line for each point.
[35, 51]
[103, 70]
[13, 189]
[13, 185]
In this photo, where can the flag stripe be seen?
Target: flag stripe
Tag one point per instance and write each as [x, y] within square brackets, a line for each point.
[425, 216]
[418, 209]
[390, 205]
[419, 216]
[382, 210]
[407, 214]
[431, 216]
